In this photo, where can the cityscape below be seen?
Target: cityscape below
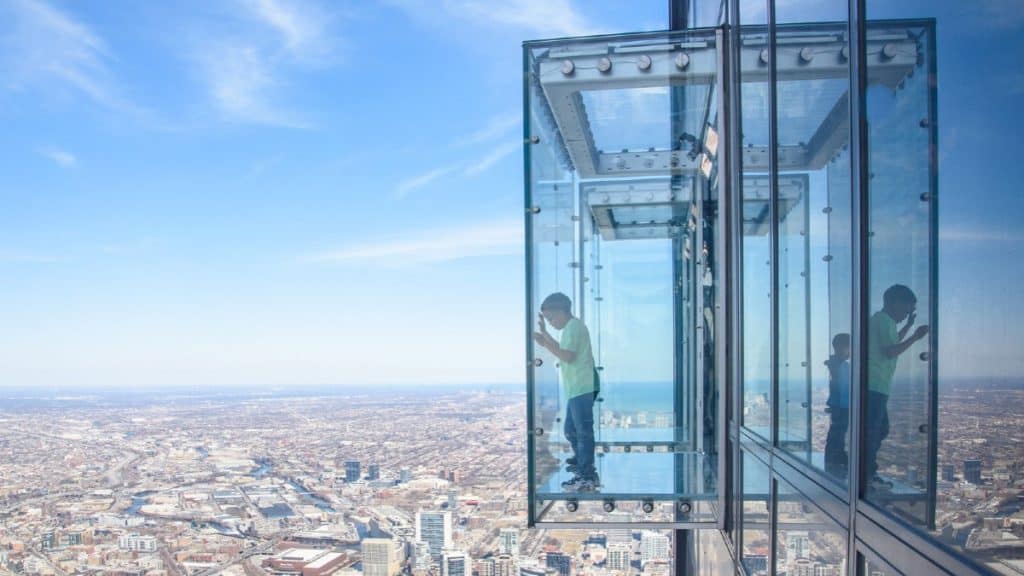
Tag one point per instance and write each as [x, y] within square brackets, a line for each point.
[384, 481]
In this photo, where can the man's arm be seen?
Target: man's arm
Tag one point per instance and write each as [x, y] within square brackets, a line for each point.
[901, 347]
[568, 356]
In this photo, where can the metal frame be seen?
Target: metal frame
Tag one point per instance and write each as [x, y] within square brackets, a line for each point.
[871, 530]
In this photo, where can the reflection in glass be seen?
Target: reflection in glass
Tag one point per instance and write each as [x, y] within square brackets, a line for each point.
[814, 239]
[806, 541]
[869, 568]
[757, 261]
[755, 515]
[900, 383]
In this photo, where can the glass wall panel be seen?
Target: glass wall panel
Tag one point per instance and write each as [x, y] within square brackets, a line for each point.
[625, 231]
[806, 541]
[713, 558]
[869, 568]
[814, 257]
[899, 451]
[551, 251]
[755, 515]
[975, 349]
[755, 185]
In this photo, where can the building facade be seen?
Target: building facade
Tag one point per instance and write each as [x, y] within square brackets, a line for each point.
[743, 213]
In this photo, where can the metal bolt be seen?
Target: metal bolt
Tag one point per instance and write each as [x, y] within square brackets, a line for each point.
[534, 139]
[539, 431]
[764, 56]
[806, 54]
[643, 62]
[926, 196]
[648, 506]
[604, 65]
[609, 506]
[533, 210]
[538, 362]
[572, 505]
[685, 507]
[844, 54]
[889, 51]
[682, 60]
[568, 67]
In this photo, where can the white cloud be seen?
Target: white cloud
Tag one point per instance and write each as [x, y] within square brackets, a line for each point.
[1001, 14]
[406, 186]
[491, 158]
[965, 234]
[544, 17]
[239, 78]
[499, 238]
[496, 127]
[300, 26]
[48, 48]
[62, 158]
[246, 66]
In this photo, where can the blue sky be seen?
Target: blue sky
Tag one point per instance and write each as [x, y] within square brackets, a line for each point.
[267, 192]
[293, 192]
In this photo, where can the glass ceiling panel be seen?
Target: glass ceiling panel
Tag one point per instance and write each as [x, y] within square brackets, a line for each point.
[638, 119]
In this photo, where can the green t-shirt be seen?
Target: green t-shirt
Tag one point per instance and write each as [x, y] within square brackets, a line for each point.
[881, 335]
[577, 376]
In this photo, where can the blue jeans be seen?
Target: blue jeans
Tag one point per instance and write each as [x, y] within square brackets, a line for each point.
[877, 428]
[579, 431]
[836, 458]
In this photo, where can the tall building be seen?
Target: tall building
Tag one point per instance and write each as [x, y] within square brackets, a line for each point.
[373, 472]
[453, 499]
[508, 539]
[455, 563]
[654, 547]
[505, 565]
[798, 545]
[619, 556]
[352, 470]
[560, 562]
[382, 556]
[404, 475]
[972, 471]
[948, 472]
[434, 528]
[422, 558]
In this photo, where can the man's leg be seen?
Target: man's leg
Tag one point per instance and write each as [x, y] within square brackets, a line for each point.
[570, 432]
[877, 428]
[583, 417]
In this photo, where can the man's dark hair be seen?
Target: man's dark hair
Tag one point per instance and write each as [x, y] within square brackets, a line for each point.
[557, 301]
[898, 294]
[840, 340]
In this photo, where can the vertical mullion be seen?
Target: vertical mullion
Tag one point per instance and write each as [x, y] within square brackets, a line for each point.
[773, 198]
[859, 255]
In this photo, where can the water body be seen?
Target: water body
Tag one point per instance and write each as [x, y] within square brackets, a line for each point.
[370, 531]
[316, 500]
[138, 501]
[261, 470]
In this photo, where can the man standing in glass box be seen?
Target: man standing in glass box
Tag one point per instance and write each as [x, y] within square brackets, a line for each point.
[576, 367]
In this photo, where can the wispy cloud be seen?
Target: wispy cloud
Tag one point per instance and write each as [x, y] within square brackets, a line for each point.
[20, 257]
[62, 158]
[491, 158]
[48, 48]
[545, 17]
[496, 127]
[408, 185]
[1000, 14]
[499, 238]
[300, 26]
[966, 234]
[247, 66]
